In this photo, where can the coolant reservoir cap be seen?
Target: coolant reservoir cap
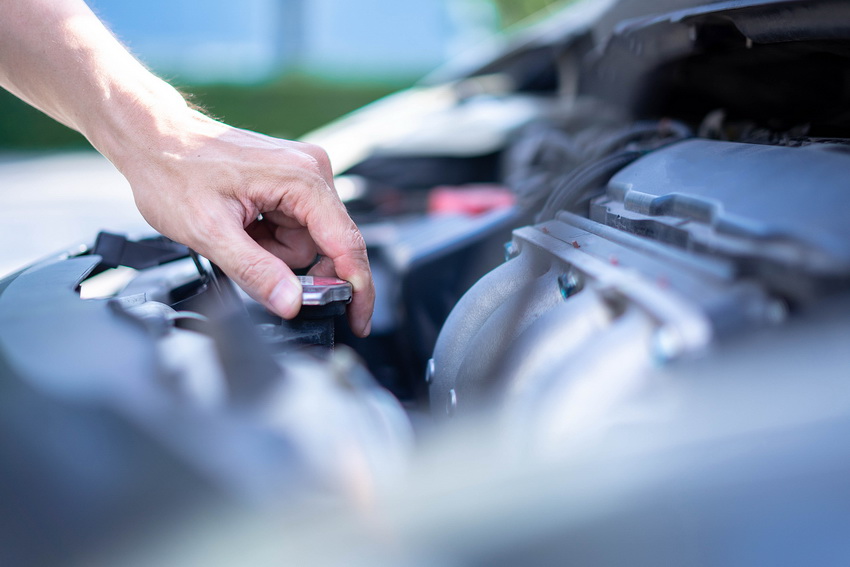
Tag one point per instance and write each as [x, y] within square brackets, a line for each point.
[324, 290]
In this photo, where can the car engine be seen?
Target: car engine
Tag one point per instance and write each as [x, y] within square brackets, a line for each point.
[612, 325]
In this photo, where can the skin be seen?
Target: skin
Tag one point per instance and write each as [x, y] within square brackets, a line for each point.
[198, 181]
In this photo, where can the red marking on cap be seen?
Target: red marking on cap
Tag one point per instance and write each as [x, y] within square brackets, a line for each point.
[327, 281]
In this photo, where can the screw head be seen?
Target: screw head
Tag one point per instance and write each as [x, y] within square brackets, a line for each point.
[511, 251]
[430, 368]
[568, 284]
[666, 344]
[451, 403]
[776, 311]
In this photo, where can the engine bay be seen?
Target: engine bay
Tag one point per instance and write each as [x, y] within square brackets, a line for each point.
[612, 271]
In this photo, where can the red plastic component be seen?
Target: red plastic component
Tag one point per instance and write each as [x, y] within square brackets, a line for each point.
[469, 199]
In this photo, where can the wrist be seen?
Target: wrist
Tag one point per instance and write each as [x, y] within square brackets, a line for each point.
[135, 123]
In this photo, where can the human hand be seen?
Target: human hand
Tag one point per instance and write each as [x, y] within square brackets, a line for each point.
[197, 181]
[205, 184]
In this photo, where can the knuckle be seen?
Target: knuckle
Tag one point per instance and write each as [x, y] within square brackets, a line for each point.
[318, 155]
[356, 240]
[312, 149]
[323, 160]
[252, 272]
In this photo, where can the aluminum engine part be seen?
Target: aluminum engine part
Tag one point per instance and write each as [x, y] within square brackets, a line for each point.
[690, 243]
[568, 327]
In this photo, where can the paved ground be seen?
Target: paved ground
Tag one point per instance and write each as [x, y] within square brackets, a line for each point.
[50, 202]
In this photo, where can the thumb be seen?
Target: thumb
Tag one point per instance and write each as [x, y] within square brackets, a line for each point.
[260, 274]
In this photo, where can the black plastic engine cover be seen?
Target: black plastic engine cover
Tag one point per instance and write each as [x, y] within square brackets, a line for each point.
[779, 212]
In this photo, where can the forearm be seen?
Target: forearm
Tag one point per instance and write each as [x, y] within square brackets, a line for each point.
[57, 56]
[255, 205]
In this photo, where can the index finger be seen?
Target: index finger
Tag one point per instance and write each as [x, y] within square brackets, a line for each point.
[344, 249]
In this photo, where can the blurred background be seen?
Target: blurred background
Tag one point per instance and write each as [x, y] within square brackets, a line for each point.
[283, 67]
[280, 67]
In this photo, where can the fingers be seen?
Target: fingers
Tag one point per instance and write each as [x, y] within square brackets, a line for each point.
[244, 174]
[339, 240]
[324, 267]
[262, 275]
[292, 245]
[343, 247]
[357, 313]
[331, 231]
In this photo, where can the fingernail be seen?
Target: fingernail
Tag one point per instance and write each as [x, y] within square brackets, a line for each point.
[285, 298]
[368, 328]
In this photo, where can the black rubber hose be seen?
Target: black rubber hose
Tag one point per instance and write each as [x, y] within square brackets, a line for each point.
[584, 179]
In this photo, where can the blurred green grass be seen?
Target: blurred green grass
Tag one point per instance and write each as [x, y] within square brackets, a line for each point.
[288, 107]
[513, 12]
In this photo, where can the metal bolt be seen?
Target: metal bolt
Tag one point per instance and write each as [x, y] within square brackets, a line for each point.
[451, 403]
[776, 311]
[666, 344]
[429, 371]
[511, 251]
[568, 284]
